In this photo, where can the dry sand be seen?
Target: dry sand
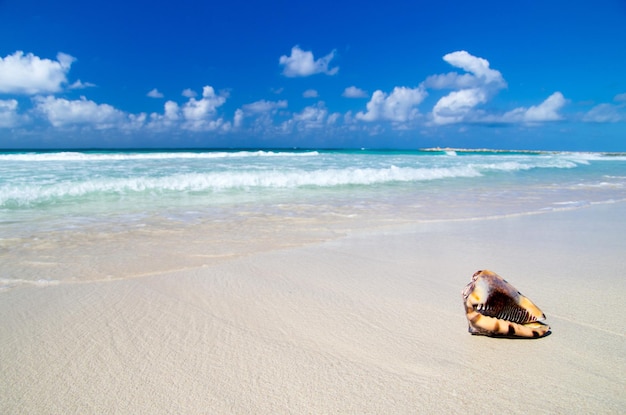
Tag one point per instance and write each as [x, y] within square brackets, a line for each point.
[371, 323]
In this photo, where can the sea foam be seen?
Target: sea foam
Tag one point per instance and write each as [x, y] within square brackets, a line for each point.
[32, 184]
[76, 187]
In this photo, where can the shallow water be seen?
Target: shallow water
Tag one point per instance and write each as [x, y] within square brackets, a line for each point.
[74, 216]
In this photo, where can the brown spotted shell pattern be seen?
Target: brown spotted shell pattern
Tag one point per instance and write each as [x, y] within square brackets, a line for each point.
[493, 307]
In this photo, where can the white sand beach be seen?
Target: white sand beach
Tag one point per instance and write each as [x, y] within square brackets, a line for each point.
[367, 323]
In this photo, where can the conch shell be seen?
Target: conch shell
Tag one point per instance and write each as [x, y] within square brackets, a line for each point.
[493, 307]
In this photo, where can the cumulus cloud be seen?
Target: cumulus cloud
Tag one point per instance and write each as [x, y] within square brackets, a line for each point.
[260, 110]
[354, 92]
[154, 93]
[455, 106]
[310, 118]
[195, 114]
[479, 74]
[81, 85]
[198, 114]
[604, 113]
[8, 113]
[333, 118]
[170, 117]
[478, 67]
[548, 110]
[620, 97]
[28, 74]
[238, 118]
[477, 86]
[399, 106]
[61, 112]
[472, 84]
[189, 93]
[302, 63]
[264, 106]
[473, 88]
[451, 80]
[171, 111]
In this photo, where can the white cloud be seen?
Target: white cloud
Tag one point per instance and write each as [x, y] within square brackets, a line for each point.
[170, 117]
[238, 118]
[455, 106]
[477, 87]
[452, 80]
[354, 92]
[28, 74]
[189, 93]
[310, 118]
[261, 111]
[135, 121]
[8, 113]
[467, 90]
[472, 89]
[154, 93]
[81, 85]
[194, 115]
[620, 97]
[198, 114]
[62, 112]
[548, 110]
[263, 106]
[313, 115]
[399, 106]
[171, 111]
[604, 113]
[302, 63]
[479, 67]
[333, 118]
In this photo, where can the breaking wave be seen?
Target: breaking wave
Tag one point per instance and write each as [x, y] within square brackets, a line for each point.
[30, 182]
[33, 194]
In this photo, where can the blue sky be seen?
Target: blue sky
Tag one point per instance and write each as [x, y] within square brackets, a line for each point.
[394, 74]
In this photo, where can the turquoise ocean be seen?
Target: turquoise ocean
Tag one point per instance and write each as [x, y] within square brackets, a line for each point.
[72, 190]
[73, 216]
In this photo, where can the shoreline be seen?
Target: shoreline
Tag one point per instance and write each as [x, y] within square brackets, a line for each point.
[107, 253]
[369, 322]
